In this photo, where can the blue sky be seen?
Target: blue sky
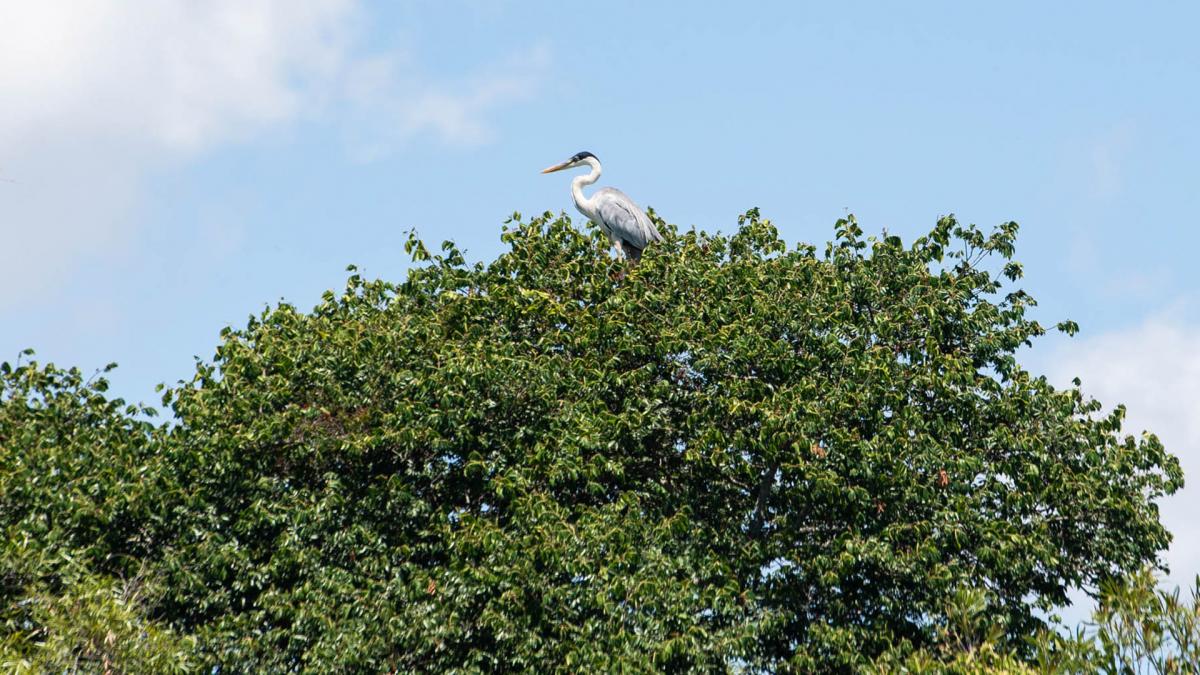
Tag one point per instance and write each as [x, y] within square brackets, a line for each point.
[167, 168]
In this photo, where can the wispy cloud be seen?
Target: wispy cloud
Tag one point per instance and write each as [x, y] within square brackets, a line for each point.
[101, 95]
[1107, 155]
[393, 102]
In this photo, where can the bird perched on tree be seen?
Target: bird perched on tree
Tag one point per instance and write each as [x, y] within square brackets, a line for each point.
[624, 222]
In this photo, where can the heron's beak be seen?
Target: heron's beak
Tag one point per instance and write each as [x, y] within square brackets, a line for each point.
[556, 167]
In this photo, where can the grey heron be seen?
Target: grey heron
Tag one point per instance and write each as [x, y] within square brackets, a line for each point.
[624, 222]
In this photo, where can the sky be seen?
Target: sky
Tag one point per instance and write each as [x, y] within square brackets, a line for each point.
[169, 167]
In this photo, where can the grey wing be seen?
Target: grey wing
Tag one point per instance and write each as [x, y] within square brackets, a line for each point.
[624, 219]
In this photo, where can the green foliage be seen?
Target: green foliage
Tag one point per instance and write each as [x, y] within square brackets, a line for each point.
[80, 493]
[969, 642]
[1142, 629]
[1137, 628]
[739, 454]
[91, 624]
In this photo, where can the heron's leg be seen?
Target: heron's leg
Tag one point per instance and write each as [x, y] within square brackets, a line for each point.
[631, 253]
[619, 246]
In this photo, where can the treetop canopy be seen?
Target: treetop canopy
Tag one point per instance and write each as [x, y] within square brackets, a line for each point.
[739, 454]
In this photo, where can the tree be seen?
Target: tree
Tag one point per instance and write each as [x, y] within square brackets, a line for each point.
[81, 482]
[1136, 628]
[739, 454]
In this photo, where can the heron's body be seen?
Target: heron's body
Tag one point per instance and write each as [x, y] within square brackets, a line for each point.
[624, 222]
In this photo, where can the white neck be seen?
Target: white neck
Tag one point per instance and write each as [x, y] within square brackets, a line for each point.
[584, 204]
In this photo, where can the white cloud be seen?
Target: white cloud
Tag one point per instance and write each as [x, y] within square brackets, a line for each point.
[172, 75]
[100, 94]
[1154, 369]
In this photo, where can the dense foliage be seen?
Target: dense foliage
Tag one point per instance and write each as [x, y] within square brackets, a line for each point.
[737, 455]
[83, 485]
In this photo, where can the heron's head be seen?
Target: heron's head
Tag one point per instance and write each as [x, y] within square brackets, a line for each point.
[578, 159]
